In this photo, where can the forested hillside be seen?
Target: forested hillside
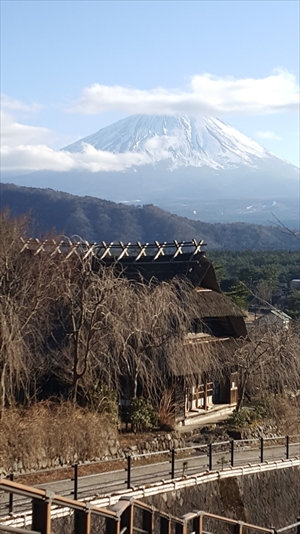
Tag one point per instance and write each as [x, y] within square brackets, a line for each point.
[95, 220]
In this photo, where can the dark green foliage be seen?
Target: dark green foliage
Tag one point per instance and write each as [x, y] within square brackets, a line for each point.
[292, 304]
[250, 266]
[141, 415]
[239, 294]
[267, 274]
[249, 416]
[103, 399]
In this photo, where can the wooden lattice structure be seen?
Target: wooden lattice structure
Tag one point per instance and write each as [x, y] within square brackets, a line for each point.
[162, 261]
[114, 251]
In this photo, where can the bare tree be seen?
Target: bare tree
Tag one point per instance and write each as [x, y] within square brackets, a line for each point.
[158, 348]
[269, 363]
[285, 228]
[26, 292]
[155, 318]
[83, 308]
[92, 327]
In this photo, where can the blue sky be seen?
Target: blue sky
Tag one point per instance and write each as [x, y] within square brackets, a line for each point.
[70, 68]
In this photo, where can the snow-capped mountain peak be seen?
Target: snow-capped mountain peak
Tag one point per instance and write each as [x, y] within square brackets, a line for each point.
[184, 141]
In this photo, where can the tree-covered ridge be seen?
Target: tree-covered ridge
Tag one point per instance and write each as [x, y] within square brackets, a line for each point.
[250, 267]
[97, 220]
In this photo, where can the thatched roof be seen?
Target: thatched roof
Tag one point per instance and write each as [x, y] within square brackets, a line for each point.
[193, 267]
[213, 304]
[204, 354]
[166, 264]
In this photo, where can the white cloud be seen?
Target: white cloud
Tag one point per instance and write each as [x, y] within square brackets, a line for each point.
[268, 135]
[13, 104]
[206, 95]
[26, 148]
[34, 158]
[41, 157]
[14, 133]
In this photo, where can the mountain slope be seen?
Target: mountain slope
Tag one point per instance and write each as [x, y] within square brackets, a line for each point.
[96, 220]
[195, 167]
[187, 140]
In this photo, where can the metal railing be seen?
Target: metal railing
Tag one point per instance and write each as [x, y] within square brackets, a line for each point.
[121, 517]
[136, 470]
[17, 530]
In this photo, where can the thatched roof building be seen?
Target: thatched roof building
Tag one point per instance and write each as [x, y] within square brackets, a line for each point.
[216, 313]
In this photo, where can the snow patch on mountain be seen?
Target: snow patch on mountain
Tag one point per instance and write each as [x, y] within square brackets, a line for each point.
[185, 141]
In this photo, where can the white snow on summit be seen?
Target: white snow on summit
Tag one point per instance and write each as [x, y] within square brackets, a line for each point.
[186, 141]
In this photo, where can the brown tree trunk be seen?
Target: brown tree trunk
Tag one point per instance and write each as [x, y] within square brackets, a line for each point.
[243, 391]
[2, 390]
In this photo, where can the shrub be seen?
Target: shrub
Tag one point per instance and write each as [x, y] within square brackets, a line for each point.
[141, 415]
[251, 416]
[104, 400]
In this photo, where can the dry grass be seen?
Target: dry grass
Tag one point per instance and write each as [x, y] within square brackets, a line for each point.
[166, 411]
[286, 413]
[61, 433]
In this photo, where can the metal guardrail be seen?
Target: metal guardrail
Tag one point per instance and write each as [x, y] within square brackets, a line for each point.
[120, 518]
[180, 462]
[18, 530]
[23, 519]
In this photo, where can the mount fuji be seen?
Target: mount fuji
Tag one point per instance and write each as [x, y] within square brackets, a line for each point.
[185, 140]
[201, 168]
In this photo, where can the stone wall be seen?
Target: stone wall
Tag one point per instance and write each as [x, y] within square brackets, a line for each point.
[160, 442]
[112, 450]
[264, 499]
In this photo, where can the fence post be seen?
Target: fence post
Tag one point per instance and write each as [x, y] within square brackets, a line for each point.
[11, 497]
[123, 517]
[181, 528]
[238, 528]
[172, 463]
[82, 522]
[232, 453]
[198, 524]
[210, 456]
[41, 516]
[75, 479]
[261, 450]
[148, 521]
[127, 519]
[165, 525]
[287, 447]
[128, 472]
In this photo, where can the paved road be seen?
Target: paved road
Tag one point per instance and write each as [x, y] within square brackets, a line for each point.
[189, 461]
